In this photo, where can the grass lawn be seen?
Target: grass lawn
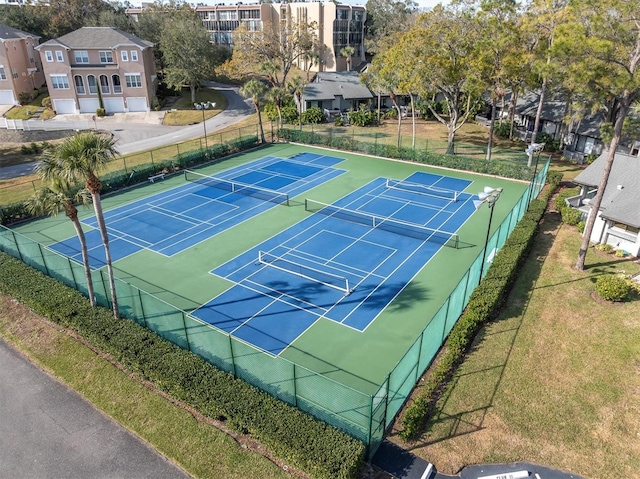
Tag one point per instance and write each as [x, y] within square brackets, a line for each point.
[24, 112]
[554, 380]
[187, 114]
[200, 448]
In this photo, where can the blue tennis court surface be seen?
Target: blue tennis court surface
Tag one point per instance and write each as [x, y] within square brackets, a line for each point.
[345, 262]
[176, 219]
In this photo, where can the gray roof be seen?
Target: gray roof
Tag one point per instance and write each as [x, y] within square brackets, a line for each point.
[621, 200]
[10, 33]
[96, 38]
[553, 110]
[328, 85]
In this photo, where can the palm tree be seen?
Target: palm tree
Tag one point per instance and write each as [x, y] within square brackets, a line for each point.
[81, 157]
[278, 96]
[50, 200]
[255, 90]
[296, 86]
[347, 52]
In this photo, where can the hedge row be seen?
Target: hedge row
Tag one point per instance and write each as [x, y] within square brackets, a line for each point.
[117, 180]
[297, 438]
[456, 162]
[484, 304]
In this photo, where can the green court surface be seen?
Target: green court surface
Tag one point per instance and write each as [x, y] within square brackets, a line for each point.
[360, 360]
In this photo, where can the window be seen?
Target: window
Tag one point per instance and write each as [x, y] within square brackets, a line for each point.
[104, 84]
[117, 86]
[48, 55]
[59, 57]
[91, 81]
[124, 56]
[59, 82]
[14, 72]
[3, 74]
[81, 57]
[133, 80]
[106, 57]
[79, 85]
[134, 56]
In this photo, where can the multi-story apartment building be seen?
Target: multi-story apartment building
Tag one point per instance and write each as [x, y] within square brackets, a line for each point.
[336, 25]
[95, 65]
[20, 67]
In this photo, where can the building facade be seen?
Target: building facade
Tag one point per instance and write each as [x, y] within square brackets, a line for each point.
[20, 66]
[97, 67]
[336, 25]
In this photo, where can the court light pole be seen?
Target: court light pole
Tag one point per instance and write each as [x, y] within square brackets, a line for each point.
[531, 149]
[488, 196]
[203, 107]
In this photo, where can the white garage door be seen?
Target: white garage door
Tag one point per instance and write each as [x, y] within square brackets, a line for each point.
[88, 105]
[64, 107]
[137, 104]
[114, 105]
[7, 98]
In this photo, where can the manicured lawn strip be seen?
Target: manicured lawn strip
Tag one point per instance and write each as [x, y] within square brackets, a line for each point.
[187, 114]
[307, 444]
[554, 380]
[199, 448]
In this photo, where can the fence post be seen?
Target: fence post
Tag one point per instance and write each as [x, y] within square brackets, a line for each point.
[151, 153]
[124, 162]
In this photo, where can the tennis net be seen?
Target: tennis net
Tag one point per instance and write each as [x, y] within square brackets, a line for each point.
[451, 195]
[383, 223]
[237, 187]
[328, 279]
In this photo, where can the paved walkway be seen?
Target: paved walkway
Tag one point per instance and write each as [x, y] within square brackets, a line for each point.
[144, 131]
[49, 431]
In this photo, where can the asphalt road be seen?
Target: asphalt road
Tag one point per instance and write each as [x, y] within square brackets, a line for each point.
[49, 431]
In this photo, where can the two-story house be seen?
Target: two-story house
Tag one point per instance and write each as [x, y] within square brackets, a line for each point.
[20, 67]
[97, 67]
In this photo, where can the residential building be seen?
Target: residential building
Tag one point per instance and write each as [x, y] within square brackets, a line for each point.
[618, 220]
[99, 65]
[20, 67]
[335, 92]
[336, 25]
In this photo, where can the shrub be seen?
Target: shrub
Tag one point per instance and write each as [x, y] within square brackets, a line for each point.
[620, 253]
[581, 226]
[338, 121]
[502, 129]
[46, 102]
[289, 114]
[612, 287]
[313, 115]
[156, 103]
[24, 97]
[571, 216]
[362, 117]
[604, 247]
[101, 112]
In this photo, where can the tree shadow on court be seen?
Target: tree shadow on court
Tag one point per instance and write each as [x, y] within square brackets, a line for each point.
[450, 421]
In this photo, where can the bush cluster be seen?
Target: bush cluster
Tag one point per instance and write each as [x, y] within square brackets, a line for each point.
[295, 437]
[570, 216]
[612, 287]
[313, 115]
[348, 143]
[34, 148]
[363, 117]
[484, 304]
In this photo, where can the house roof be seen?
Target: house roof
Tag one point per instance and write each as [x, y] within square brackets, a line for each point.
[10, 33]
[328, 85]
[622, 196]
[96, 38]
[553, 110]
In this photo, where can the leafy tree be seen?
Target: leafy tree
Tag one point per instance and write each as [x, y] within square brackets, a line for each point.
[82, 157]
[278, 97]
[189, 55]
[600, 45]
[28, 18]
[256, 90]
[386, 18]
[442, 48]
[282, 43]
[50, 200]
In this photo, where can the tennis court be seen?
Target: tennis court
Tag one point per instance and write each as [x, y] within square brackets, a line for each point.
[171, 221]
[335, 303]
[345, 262]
